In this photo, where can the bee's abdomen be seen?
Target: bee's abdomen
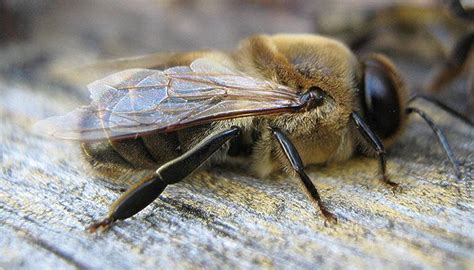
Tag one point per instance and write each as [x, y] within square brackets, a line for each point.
[141, 153]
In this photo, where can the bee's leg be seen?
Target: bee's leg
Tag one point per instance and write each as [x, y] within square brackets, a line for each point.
[297, 165]
[441, 138]
[443, 106]
[146, 191]
[455, 64]
[376, 145]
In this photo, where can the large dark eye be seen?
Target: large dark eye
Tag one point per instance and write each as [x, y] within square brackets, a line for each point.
[381, 101]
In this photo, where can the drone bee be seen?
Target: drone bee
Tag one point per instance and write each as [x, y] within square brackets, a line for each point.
[276, 103]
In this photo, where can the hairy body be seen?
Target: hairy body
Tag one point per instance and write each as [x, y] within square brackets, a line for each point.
[298, 61]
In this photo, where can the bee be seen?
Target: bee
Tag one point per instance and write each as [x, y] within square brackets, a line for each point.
[439, 36]
[276, 103]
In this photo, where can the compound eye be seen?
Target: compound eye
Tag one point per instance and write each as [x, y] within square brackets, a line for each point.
[381, 101]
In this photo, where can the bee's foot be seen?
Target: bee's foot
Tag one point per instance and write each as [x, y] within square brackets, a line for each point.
[102, 225]
[330, 217]
[394, 186]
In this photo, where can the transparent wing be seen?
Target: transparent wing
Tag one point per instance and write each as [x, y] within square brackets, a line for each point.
[138, 101]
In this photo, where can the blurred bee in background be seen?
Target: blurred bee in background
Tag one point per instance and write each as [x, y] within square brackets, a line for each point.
[438, 38]
[276, 103]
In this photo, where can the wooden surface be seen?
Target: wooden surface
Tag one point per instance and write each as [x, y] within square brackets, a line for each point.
[217, 219]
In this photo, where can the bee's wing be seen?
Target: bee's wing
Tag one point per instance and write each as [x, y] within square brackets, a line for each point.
[91, 72]
[138, 101]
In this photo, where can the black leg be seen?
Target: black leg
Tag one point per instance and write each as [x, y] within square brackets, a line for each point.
[146, 191]
[442, 106]
[441, 139]
[297, 165]
[376, 145]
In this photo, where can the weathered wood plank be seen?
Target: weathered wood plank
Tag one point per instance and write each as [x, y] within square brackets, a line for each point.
[218, 219]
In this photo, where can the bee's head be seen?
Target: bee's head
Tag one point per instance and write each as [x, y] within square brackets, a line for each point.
[382, 96]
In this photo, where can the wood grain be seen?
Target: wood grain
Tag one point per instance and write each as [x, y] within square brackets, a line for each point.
[219, 219]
